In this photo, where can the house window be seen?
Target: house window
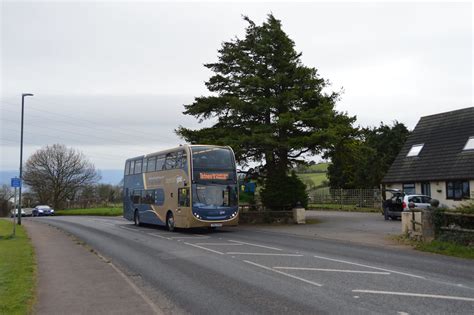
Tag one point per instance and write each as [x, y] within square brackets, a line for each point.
[469, 144]
[415, 149]
[426, 189]
[409, 188]
[457, 189]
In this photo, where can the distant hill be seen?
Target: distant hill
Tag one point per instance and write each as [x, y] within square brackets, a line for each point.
[314, 176]
[108, 176]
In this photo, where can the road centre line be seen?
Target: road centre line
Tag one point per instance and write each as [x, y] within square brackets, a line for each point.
[264, 254]
[256, 245]
[208, 249]
[335, 270]
[135, 230]
[377, 268]
[193, 237]
[218, 244]
[158, 235]
[434, 296]
[283, 273]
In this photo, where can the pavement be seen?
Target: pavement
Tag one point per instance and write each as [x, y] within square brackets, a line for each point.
[73, 279]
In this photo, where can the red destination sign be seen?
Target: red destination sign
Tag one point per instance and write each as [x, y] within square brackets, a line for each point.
[218, 176]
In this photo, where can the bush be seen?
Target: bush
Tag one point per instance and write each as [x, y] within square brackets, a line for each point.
[283, 192]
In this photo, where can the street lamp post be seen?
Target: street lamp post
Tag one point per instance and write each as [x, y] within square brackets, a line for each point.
[21, 153]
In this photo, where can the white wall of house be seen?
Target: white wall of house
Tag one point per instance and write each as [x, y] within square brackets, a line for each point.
[438, 191]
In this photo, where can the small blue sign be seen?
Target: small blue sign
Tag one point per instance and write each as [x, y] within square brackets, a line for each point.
[16, 182]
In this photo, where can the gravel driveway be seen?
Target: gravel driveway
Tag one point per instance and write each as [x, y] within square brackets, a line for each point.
[358, 227]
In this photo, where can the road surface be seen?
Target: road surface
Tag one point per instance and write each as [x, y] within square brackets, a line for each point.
[235, 270]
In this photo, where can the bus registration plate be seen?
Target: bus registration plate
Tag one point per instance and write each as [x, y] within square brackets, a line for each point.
[216, 224]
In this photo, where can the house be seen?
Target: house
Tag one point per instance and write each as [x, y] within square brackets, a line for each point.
[437, 159]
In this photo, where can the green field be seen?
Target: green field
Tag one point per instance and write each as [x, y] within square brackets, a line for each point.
[17, 270]
[321, 167]
[111, 211]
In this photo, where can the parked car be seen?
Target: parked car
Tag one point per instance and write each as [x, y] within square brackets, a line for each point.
[42, 210]
[393, 207]
[14, 213]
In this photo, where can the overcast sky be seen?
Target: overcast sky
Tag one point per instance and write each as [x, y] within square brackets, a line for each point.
[110, 78]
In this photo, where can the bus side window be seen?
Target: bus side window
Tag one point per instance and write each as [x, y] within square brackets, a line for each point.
[151, 164]
[127, 168]
[144, 166]
[170, 162]
[160, 163]
[183, 197]
[138, 166]
[137, 196]
[132, 167]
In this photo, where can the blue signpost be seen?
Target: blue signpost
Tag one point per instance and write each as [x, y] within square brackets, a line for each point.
[15, 183]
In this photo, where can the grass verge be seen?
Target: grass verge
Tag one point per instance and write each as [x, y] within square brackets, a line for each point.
[439, 247]
[17, 270]
[113, 211]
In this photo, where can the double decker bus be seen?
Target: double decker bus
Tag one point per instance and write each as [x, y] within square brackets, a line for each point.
[184, 187]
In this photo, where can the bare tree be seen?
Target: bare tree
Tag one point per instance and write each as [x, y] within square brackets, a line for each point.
[56, 172]
[6, 193]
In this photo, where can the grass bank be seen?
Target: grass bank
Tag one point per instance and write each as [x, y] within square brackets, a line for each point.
[439, 247]
[111, 211]
[17, 270]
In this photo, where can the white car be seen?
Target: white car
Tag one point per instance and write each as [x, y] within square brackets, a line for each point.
[14, 213]
[393, 207]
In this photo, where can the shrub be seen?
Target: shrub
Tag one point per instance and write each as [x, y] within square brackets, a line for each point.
[284, 192]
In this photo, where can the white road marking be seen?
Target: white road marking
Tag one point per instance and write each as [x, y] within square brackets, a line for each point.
[256, 245]
[402, 313]
[335, 270]
[137, 290]
[218, 244]
[283, 273]
[264, 254]
[377, 268]
[131, 229]
[211, 250]
[193, 237]
[158, 235]
[434, 296]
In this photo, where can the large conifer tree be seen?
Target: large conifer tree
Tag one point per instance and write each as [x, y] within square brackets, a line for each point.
[268, 107]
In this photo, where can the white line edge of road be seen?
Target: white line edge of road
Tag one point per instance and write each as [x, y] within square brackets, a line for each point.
[433, 296]
[218, 244]
[334, 270]
[283, 273]
[377, 268]
[208, 249]
[256, 245]
[137, 290]
[264, 254]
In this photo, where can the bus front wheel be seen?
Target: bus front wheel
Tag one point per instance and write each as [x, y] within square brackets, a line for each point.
[170, 222]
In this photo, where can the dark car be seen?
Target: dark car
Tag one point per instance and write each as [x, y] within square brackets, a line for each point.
[393, 207]
[42, 210]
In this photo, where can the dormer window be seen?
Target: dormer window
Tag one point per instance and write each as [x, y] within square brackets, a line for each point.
[415, 150]
[469, 144]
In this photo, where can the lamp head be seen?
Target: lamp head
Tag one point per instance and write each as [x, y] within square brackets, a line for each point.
[26, 94]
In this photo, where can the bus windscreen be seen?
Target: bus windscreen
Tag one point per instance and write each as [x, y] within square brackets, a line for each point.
[211, 158]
